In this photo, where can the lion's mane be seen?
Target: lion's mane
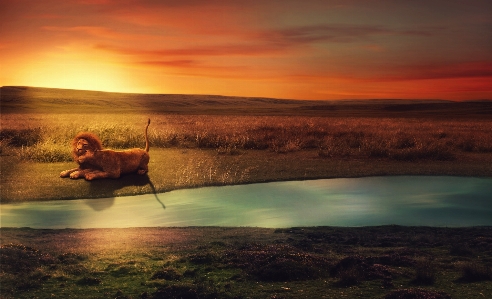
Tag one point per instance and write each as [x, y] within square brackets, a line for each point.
[94, 143]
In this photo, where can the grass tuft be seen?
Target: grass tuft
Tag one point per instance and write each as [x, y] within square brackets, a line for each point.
[425, 273]
[167, 273]
[475, 272]
[417, 294]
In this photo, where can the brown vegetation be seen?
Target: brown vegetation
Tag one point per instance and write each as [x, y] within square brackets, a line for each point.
[38, 123]
[213, 140]
[360, 138]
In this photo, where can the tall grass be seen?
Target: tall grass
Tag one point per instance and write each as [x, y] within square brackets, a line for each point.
[474, 272]
[46, 138]
[425, 272]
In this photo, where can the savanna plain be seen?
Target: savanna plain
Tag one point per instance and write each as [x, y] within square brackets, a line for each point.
[212, 140]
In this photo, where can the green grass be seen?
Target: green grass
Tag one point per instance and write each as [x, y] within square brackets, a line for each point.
[368, 262]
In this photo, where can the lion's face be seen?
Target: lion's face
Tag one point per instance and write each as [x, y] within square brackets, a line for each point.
[82, 147]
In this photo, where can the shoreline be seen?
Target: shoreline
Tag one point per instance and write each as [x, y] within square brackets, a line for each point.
[407, 200]
[177, 169]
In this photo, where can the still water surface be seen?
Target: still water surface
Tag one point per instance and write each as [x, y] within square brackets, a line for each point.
[402, 200]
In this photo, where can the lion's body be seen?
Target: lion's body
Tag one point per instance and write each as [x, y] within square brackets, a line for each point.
[95, 162]
[112, 164]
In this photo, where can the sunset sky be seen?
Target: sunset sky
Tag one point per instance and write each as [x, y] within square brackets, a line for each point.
[309, 49]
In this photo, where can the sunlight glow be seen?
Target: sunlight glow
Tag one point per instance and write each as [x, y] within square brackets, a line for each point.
[310, 50]
[76, 70]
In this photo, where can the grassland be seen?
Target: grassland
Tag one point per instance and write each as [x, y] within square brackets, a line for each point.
[45, 138]
[212, 140]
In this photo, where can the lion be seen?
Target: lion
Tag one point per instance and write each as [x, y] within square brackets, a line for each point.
[98, 163]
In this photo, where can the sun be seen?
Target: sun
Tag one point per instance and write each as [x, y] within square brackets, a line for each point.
[76, 70]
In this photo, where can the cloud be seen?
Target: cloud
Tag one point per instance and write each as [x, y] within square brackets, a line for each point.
[261, 42]
[171, 3]
[47, 16]
[217, 50]
[196, 68]
[185, 63]
[337, 33]
[96, 2]
[95, 31]
[252, 50]
[478, 69]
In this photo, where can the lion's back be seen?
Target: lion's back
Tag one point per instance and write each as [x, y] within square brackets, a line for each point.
[130, 160]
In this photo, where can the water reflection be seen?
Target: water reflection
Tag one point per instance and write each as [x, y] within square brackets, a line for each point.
[100, 204]
[435, 201]
[108, 188]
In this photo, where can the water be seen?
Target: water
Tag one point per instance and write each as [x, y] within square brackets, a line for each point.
[401, 200]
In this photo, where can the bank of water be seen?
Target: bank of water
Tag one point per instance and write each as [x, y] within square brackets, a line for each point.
[400, 200]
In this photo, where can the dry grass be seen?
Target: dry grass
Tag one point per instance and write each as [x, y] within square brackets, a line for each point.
[45, 138]
[201, 150]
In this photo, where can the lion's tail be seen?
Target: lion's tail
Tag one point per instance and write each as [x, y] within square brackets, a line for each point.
[147, 137]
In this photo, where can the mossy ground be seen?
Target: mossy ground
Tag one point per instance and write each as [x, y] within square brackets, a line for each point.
[322, 262]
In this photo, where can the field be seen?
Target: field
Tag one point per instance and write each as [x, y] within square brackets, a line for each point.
[213, 140]
[44, 138]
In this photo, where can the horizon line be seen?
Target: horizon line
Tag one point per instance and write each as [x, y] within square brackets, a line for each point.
[253, 97]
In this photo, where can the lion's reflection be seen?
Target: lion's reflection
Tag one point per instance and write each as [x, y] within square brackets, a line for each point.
[100, 204]
[107, 189]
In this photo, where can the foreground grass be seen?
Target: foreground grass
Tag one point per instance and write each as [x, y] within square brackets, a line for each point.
[368, 262]
[172, 169]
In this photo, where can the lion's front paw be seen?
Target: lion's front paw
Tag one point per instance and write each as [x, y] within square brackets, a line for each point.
[75, 175]
[64, 174]
[90, 176]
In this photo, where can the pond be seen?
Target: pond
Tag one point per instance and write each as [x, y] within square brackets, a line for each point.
[400, 200]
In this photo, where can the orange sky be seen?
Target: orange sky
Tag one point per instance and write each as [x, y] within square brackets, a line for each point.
[309, 49]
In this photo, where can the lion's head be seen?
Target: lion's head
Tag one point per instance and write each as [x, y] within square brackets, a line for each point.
[85, 142]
